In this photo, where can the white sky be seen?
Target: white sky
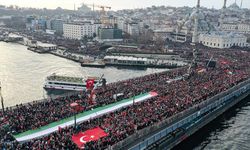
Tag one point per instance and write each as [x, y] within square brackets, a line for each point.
[119, 4]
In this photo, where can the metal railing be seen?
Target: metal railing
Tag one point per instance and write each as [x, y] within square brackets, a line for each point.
[44, 100]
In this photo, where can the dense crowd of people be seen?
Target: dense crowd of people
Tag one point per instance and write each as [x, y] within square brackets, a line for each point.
[173, 97]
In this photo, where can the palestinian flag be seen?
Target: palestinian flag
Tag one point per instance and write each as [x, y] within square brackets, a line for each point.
[82, 138]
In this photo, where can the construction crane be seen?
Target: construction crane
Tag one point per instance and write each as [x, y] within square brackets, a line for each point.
[103, 11]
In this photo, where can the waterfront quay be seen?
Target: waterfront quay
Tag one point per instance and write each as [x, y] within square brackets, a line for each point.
[190, 95]
[36, 44]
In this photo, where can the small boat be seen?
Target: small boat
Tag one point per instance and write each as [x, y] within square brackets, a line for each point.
[70, 83]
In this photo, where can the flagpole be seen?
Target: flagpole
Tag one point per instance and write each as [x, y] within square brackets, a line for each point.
[75, 120]
[133, 99]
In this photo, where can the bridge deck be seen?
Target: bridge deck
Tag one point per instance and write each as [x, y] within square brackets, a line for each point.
[81, 117]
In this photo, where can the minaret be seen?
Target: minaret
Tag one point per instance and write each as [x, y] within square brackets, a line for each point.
[222, 16]
[195, 38]
[225, 4]
[198, 4]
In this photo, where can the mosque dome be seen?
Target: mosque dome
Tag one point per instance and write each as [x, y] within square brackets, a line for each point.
[194, 15]
[188, 24]
[234, 7]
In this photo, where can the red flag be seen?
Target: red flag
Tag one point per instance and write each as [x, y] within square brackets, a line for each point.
[152, 93]
[59, 129]
[224, 62]
[79, 108]
[82, 138]
[76, 107]
[200, 70]
[90, 83]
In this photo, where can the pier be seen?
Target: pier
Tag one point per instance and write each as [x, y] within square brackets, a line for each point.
[131, 61]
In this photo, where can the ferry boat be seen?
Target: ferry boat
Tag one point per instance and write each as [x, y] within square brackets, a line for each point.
[69, 83]
[131, 61]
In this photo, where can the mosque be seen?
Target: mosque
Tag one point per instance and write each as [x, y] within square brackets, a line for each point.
[215, 37]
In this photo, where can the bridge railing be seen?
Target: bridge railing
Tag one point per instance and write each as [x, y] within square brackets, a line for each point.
[44, 100]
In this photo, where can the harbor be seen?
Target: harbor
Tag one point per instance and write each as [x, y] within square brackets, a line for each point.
[129, 60]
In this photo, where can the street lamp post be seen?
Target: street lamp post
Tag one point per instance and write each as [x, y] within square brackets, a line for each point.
[1, 98]
[75, 120]
[74, 106]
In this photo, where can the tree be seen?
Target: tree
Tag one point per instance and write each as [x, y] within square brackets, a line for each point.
[146, 37]
[159, 43]
[84, 39]
[94, 35]
[126, 35]
[248, 40]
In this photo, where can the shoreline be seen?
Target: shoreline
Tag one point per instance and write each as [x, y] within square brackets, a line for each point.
[88, 61]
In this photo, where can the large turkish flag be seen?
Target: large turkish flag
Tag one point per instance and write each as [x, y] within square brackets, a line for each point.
[82, 138]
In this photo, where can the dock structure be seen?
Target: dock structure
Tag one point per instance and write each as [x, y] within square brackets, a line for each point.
[131, 61]
[13, 38]
[46, 46]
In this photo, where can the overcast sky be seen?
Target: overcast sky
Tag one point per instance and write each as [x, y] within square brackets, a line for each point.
[120, 4]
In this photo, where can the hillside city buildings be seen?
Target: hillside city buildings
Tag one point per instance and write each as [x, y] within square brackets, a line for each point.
[78, 30]
[223, 40]
[223, 28]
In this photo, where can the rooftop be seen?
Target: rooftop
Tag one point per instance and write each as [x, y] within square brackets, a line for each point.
[128, 58]
[69, 79]
[45, 44]
[223, 34]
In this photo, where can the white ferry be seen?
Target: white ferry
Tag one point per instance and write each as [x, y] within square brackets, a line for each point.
[69, 83]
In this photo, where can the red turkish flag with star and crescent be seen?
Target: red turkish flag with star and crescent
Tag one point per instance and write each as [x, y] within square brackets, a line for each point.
[90, 83]
[82, 138]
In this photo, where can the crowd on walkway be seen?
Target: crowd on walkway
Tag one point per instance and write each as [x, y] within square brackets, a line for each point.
[173, 97]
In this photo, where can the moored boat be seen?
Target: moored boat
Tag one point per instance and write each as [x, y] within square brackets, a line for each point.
[70, 83]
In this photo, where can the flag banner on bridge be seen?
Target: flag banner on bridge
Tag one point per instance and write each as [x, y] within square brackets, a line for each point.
[81, 138]
[83, 116]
